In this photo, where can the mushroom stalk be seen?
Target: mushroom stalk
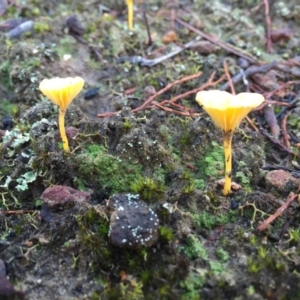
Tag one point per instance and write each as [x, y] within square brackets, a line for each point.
[130, 13]
[227, 140]
[227, 111]
[62, 91]
[62, 130]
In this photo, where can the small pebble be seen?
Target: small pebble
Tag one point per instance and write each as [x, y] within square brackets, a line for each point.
[133, 224]
[59, 195]
[91, 93]
[281, 181]
[7, 123]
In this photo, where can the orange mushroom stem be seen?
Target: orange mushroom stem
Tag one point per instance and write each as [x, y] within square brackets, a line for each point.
[227, 111]
[130, 14]
[62, 91]
[227, 142]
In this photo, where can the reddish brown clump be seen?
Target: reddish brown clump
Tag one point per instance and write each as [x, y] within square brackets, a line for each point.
[60, 195]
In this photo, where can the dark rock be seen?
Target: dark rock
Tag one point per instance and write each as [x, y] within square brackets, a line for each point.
[7, 123]
[133, 224]
[7, 291]
[91, 93]
[2, 268]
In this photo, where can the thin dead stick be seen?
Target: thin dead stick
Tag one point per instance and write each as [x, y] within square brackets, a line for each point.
[267, 102]
[277, 142]
[285, 134]
[150, 99]
[223, 45]
[149, 43]
[228, 78]
[169, 86]
[252, 124]
[194, 91]
[248, 72]
[279, 211]
[270, 94]
[268, 24]
[171, 110]
[17, 212]
[153, 62]
[271, 120]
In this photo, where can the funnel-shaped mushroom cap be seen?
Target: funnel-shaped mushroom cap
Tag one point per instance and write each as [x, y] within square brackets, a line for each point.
[227, 110]
[62, 91]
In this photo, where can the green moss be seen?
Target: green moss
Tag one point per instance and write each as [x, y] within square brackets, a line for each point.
[185, 139]
[254, 266]
[131, 291]
[79, 184]
[212, 163]
[127, 125]
[192, 284]
[106, 171]
[194, 248]
[207, 220]
[41, 27]
[244, 175]
[199, 184]
[148, 188]
[5, 70]
[189, 188]
[166, 233]
[216, 267]
[222, 255]
[93, 232]
[7, 108]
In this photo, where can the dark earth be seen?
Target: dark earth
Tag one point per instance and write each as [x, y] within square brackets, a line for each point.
[138, 136]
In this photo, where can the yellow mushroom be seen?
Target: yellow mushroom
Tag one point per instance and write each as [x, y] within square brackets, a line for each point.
[227, 111]
[130, 13]
[62, 91]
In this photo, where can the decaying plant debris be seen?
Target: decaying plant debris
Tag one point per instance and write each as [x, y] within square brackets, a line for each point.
[136, 129]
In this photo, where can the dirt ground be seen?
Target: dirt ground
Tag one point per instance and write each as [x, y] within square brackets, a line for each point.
[144, 156]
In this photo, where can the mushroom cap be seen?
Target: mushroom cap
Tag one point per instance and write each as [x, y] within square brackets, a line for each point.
[62, 91]
[227, 110]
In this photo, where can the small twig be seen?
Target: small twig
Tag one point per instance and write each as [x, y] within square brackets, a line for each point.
[271, 120]
[248, 72]
[278, 212]
[277, 142]
[287, 107]
[194, 91]
[150, 99]
[17, 212]
[80, 40]
[171, 110]
[153, 62]
[223, 45]
[166, 88]
[270, 94]
[251, 124]
[149, 43]
[268, 25]
[285, 134]
[283, 231]
[229, 78]
[130, 91]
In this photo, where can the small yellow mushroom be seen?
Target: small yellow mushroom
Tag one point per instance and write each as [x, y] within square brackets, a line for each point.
[227, 111]
[62, 91]
[130, 13]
